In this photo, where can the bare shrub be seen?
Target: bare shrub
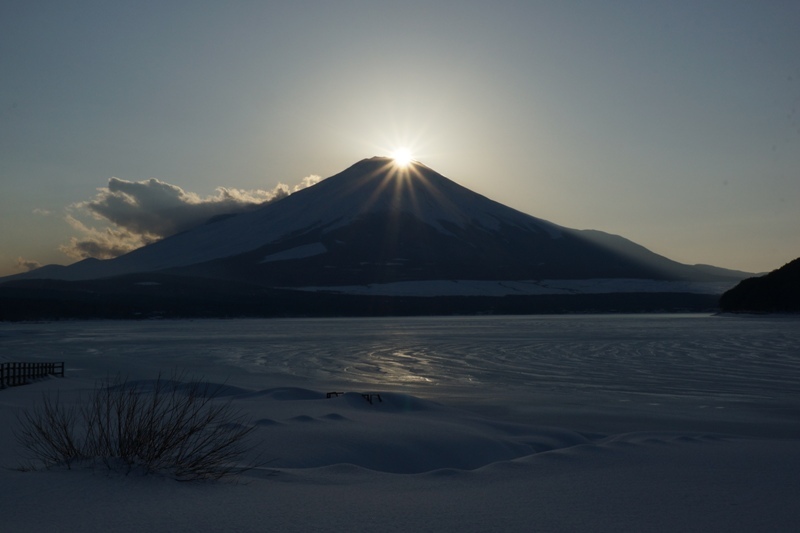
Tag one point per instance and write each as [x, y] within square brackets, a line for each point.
[171, 427]
[48, 433]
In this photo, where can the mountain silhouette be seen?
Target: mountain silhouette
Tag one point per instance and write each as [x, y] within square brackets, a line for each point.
[776, 292]
[377, 223]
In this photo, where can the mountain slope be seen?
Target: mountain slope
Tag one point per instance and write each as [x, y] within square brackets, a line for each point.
[378, 223]
[778, 291]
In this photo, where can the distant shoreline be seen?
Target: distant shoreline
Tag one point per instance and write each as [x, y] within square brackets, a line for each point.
[65, 301]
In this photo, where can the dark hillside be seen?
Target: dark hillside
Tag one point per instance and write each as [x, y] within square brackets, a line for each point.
[165, 296]
[776, 292]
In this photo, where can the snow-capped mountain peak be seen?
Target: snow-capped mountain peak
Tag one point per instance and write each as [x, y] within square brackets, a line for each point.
[371, 186]
[378, 222]
[378, 185]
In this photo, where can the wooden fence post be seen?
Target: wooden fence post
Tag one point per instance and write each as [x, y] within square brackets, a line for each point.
[18, 373]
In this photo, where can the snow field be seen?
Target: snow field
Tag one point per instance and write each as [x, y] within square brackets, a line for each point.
[512, 424]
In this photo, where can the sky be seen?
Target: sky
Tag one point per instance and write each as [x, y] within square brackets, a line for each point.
[674, 124]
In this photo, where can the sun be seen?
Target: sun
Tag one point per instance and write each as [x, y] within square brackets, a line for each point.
[402, 157]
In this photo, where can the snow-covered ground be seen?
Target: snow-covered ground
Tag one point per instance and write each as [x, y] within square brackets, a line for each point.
[568, 423]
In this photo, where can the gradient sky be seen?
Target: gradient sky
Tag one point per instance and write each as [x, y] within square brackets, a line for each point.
[674, 124]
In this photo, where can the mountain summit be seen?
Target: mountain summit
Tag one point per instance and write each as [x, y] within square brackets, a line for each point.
[339, 218]
[377, 224]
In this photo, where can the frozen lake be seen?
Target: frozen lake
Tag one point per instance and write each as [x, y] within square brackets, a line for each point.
[557, 423]
[601, 372]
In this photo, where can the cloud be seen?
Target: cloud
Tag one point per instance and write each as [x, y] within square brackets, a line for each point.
[158, 209]
[27, 264]
[104, 243]
[308, 181]
[137, 213]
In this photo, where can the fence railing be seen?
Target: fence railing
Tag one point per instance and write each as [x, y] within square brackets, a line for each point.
[19, 373]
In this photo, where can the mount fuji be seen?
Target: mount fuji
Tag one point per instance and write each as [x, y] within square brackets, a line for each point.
[380, 230]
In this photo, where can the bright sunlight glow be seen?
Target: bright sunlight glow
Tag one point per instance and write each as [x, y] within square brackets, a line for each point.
[402, 157]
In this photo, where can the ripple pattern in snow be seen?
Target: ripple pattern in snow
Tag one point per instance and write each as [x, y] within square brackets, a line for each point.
[705, 360]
